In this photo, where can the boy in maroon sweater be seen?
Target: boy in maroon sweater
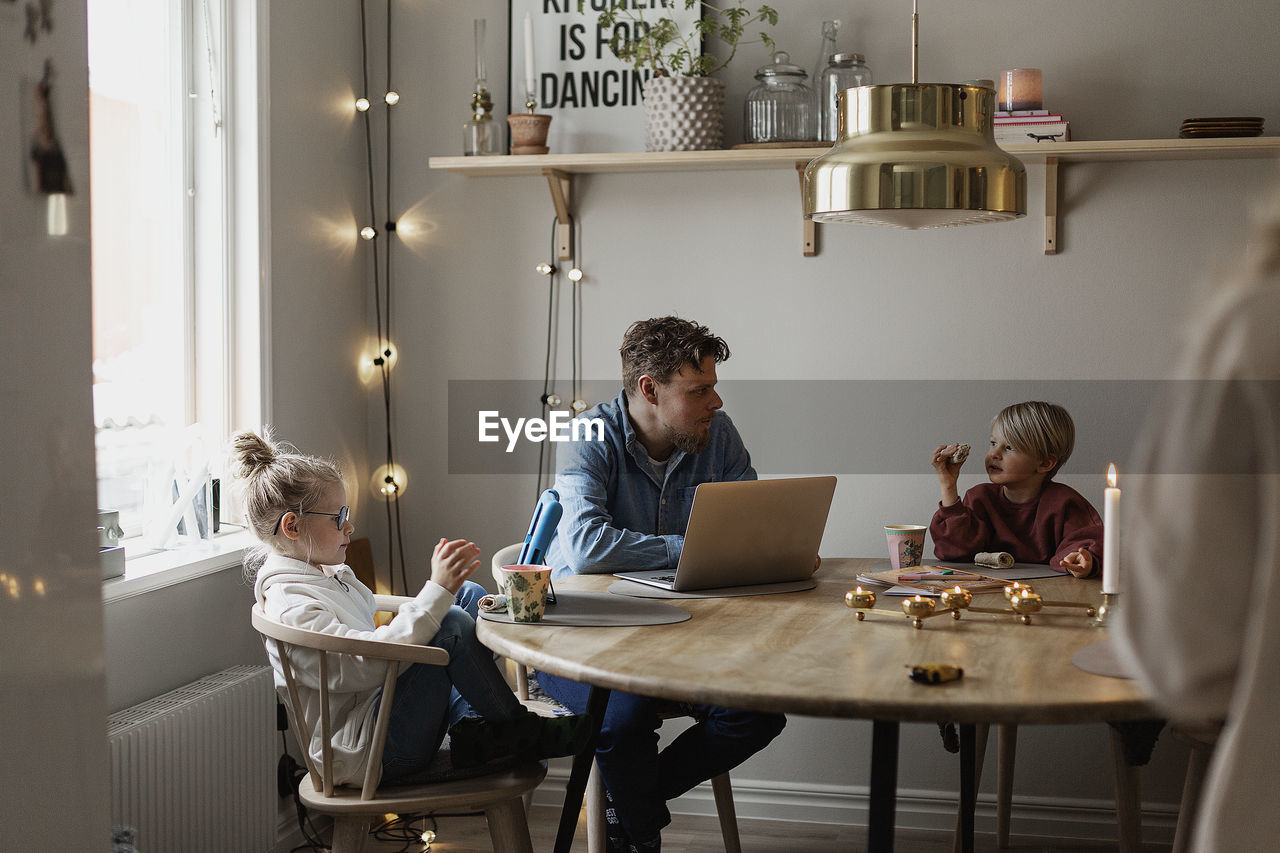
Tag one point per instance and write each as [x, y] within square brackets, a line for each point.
[1021, 511]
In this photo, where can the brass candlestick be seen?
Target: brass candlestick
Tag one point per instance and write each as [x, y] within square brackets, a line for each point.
[1104, 612]
[861, 600]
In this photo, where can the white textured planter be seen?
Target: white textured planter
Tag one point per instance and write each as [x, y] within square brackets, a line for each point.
[683, 113]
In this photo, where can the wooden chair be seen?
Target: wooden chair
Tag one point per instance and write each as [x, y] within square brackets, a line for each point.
[721, 787]
[1128, 809]
[498, 794]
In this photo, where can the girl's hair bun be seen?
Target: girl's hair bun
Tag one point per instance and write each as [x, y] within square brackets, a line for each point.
[252, 454]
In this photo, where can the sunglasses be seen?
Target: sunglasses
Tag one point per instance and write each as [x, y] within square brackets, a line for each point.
[340, 517]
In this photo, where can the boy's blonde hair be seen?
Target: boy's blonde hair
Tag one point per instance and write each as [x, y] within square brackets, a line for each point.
[273, 479]
[1038, 429]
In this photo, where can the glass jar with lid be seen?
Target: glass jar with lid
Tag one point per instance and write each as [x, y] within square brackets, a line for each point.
[777, 109]
[843, 71]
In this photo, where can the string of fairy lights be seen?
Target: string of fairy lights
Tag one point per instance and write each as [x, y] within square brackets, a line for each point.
[389, 479]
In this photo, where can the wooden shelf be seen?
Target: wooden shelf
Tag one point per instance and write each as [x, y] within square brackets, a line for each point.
[786, 158]
[558, 168]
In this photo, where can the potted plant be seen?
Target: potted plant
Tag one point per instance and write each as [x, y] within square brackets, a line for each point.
[684, 106]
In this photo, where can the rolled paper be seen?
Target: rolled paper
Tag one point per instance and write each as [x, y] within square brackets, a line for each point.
[995, 559]
[491, 603]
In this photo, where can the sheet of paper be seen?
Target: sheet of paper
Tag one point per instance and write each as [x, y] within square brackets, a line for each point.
[1017, 572]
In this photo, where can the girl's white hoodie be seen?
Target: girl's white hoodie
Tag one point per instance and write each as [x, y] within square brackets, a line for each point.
[331, 600]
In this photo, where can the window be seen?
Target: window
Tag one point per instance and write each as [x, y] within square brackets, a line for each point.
[175, 282]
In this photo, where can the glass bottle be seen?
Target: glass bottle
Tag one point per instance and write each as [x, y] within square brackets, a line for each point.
[830, 29]
[480, 135]
[844, 71]
[779, 107]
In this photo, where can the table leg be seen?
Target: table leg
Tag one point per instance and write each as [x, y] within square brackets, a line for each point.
[597, 699]
[884, 785]
[968, 785]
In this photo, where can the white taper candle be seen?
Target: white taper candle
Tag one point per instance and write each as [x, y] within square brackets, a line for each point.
[1111, 534]
[530, 79]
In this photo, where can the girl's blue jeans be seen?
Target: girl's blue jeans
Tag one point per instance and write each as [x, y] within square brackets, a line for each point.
[639, 779]
[430, 699]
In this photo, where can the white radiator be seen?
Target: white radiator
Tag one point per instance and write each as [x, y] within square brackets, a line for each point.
[193, 770]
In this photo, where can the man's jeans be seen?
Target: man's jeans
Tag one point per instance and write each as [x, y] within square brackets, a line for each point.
[638, 778]
[430, 699]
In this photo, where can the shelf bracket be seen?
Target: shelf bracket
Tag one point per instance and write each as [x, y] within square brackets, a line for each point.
[809, 244]
[1051, 205]
[561, 185]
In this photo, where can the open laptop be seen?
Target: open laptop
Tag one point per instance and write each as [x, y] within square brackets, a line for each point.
[747, 533]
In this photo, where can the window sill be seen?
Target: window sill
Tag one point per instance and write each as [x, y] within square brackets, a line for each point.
[160, 569]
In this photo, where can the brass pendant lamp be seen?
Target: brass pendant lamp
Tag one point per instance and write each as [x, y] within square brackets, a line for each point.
[915, 155]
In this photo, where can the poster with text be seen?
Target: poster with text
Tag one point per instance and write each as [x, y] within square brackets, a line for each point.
[594, 98]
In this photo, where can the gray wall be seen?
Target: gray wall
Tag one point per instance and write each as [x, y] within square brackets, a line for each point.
[1138, 241]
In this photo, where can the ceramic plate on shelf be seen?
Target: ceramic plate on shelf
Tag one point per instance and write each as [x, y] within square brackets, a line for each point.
[1206, 133]
[1220, 119]
[1220, 126]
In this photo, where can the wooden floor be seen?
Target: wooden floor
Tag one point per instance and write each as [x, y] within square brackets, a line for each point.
[697, 834]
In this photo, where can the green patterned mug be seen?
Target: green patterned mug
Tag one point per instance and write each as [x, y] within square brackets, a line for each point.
[526, 590]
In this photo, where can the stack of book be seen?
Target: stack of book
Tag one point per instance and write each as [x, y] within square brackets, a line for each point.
[1025, 126]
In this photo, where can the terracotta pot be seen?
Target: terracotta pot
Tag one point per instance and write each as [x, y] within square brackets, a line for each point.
[529, 133]
[683, 113]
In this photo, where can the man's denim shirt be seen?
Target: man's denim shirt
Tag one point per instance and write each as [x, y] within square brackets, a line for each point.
[618, 514]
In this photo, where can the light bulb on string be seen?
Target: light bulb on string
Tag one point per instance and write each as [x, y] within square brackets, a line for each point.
[368, 232]
[544, 268]
[392, 98]
[575, 275]
[428, 837]
[362, 104]
[389, 482]
[376, 357]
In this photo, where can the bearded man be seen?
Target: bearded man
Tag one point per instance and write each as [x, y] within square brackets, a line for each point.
[626, 502]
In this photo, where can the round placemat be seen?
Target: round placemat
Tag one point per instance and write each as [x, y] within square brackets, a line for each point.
[1101, 659]
[598, 610]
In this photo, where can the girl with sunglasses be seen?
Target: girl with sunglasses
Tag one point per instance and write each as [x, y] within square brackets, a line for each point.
[296, 506]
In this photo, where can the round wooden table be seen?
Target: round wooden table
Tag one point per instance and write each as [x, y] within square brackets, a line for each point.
[806, 653]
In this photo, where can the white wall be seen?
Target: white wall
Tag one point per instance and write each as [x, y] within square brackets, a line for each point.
[52, 707]
[1137, 241]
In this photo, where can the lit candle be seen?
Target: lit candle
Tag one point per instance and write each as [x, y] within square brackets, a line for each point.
[530, 81]
[1111, 534]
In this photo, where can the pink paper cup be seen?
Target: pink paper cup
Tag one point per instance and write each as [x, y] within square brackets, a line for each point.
[526, 590]
[906, 544]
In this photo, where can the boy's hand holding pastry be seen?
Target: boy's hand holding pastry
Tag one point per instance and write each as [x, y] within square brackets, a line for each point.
[452, 562]
[947, 460]
[1079, 563]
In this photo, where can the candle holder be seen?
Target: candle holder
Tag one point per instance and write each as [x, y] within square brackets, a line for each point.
[1104, 612]
[860, 600]
[529, 129]
[956, 600]
[1023, 602]
[918, 608]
